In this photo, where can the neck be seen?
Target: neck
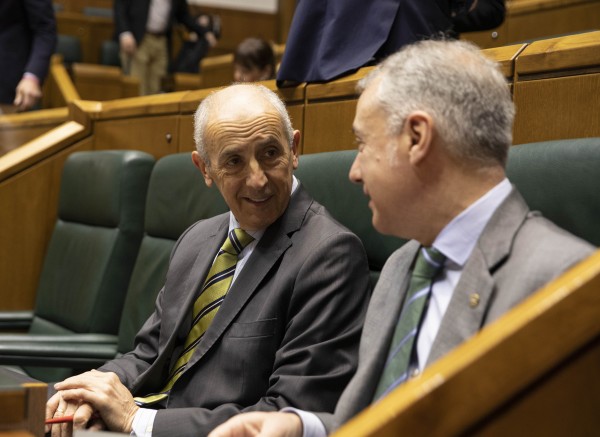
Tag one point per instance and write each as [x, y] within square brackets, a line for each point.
[457, 189]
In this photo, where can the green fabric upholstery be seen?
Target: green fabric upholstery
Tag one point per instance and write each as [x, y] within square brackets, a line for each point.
[93, 247]
[561, 179]
[177, 198]
[325, 176]
[69, 47]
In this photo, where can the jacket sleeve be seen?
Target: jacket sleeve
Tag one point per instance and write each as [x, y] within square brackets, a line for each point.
[42, 25]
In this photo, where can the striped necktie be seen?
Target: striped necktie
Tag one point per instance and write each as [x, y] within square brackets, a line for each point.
[428, 264]
[206, 306]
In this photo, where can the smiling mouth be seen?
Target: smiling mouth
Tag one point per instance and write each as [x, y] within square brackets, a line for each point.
[258, 201]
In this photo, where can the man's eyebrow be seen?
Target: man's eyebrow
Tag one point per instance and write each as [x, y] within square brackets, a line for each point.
[270, 139]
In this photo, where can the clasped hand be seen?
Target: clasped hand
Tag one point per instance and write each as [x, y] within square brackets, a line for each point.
[96, 400]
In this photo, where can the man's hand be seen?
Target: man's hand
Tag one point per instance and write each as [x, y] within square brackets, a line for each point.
[127, 42]
[57, 407]
[27, 94]
[105, 394]
[211, 39]
[260, 425]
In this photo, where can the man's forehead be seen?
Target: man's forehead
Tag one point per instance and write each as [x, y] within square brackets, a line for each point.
[238, 103]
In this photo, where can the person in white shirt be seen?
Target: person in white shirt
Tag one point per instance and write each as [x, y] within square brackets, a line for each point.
[434, 125]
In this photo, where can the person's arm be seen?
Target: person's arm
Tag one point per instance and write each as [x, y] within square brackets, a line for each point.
[483, 15]
[42, 26]
[317, 354]
[182, 15]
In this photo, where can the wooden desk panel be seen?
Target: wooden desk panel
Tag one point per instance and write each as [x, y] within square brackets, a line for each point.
[328, 126]
[157, 135]
[557, 108]
[29, 203]
[531, 19]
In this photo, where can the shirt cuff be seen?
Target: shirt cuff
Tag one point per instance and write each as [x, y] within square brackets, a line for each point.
[124, 34]
[143, 421]
[28, 75]
[311, 424]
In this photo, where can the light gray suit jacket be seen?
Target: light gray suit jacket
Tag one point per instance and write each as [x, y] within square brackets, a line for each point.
[287, 333]
[518, 252]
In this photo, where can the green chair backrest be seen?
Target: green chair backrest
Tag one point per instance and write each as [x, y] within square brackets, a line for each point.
[325, 176]
[561, 179]
[177, 198]
[94, 244]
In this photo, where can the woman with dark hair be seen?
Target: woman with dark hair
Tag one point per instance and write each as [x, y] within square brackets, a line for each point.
[253, 60]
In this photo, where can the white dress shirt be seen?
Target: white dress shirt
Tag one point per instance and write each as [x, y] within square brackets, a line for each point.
[456, 241]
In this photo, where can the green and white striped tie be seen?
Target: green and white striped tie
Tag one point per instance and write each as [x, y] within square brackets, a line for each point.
[428, 264]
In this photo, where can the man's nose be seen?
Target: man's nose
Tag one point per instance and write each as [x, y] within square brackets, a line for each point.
[256, 175]
[355, 175]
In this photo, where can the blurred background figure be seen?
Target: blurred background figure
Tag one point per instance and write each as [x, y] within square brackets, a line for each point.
[195, 47]
[332, 38]
[253, 60]
[27, 41]
[481, 15]
[144, 29]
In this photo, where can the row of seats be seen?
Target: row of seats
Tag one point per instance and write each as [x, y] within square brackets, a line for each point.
[120, 214]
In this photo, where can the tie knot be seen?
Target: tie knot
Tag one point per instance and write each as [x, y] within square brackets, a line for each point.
[236, 241]
[428, 263]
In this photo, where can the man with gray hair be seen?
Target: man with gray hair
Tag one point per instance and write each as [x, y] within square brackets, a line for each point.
[262, 307]
[433, 126]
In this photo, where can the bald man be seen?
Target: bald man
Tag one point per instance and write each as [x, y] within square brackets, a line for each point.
[286, 331]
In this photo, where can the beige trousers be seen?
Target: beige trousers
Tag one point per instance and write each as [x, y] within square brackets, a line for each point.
[148, 63]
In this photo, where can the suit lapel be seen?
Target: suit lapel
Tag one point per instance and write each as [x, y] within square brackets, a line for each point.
[380, 324]
[273, 244]
[179, 326]
[474, 292]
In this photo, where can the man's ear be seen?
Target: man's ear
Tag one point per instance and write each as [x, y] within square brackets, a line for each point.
[419, 127]
[199, 162]
[295, 145]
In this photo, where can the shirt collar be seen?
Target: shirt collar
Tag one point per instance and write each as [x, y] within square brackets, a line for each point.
[458, 238]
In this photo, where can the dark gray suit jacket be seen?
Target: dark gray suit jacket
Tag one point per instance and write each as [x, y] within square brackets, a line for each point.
[286, 335]
[518, 252]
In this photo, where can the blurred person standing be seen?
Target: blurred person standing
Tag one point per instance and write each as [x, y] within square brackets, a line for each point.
[144, 30]
[27, 41]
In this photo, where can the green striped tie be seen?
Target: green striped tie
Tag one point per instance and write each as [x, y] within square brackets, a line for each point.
[206, 306]
[428, 264]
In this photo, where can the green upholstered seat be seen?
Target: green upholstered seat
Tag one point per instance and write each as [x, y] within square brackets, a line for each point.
[561, 179]
[92, 250]
[325, 176]
[177, 198]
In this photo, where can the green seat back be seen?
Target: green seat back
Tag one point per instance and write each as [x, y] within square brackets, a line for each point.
[177, 198]
[94, 244]
[561, 179]
[325, 176]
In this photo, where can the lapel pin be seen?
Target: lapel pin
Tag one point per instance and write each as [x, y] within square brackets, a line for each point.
[473, 300]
